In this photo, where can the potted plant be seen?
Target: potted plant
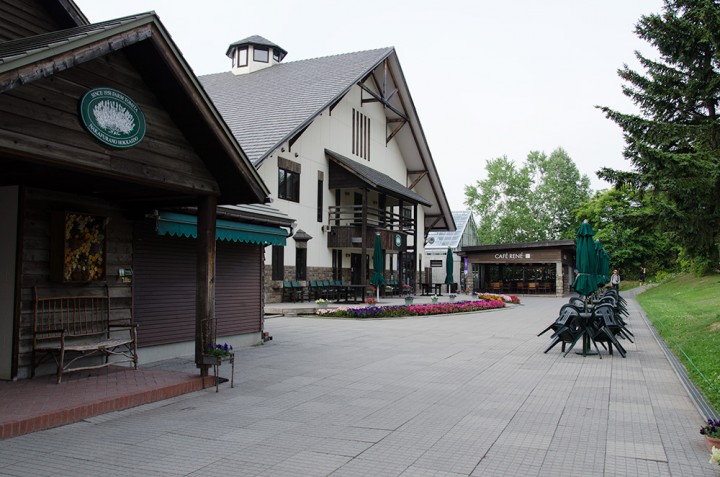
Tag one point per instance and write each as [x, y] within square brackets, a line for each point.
[372, 301]
[217, 353]
[452, 297]
[214, 356]
[434, 298]
[407, 292]
[711, 431]
[322, 303]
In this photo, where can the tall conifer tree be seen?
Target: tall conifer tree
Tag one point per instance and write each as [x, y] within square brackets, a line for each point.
[674, 143]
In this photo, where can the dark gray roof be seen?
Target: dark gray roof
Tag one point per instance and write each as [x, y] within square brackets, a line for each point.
[375, 179]
[261, 213]
[229, 169]
[15, 51]
[268, 107]
[255, 40]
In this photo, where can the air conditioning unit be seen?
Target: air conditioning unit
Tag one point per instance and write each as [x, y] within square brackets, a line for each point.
[326, 228]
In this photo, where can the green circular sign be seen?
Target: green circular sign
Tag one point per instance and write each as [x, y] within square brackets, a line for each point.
[398, 240]
[112, 117]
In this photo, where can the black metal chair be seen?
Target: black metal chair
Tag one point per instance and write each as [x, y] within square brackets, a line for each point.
[566, 328]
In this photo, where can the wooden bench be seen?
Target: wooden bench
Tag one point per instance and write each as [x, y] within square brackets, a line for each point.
[76, 331]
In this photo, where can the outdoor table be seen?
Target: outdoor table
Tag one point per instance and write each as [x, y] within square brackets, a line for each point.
[428, 287]
[585, 323]
[356, 291]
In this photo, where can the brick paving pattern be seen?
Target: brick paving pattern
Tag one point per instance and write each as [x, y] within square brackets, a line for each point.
[460, 395]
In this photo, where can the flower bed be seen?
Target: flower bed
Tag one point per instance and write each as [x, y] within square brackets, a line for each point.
[493, 296]
[413, 310]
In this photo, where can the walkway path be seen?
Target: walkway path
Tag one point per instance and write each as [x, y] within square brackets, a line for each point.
[438, 396]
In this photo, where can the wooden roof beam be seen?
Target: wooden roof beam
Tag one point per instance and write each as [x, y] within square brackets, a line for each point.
[417, 179]
[382, 100]
[396, 130]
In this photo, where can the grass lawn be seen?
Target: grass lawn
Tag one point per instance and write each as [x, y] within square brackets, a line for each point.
[628, 285]
[686, 312]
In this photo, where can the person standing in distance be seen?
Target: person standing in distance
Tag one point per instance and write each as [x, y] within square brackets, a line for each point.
[615, 280]
[643, 272]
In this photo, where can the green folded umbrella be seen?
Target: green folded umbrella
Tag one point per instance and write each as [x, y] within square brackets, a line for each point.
[585, 282]
[377, 278]
[449, 267]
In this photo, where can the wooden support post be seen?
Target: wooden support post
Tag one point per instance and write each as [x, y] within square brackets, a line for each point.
[363, 253]
[205, 274]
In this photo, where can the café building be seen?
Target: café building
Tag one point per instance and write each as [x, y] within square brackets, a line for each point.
[535, 268]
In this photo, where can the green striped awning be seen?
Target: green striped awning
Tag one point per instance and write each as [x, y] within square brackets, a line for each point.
[183, 225]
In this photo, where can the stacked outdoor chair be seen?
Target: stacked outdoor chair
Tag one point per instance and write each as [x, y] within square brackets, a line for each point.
[565, 328]
[620, 312]
[615, 294]
[578, 302]
[605, 328]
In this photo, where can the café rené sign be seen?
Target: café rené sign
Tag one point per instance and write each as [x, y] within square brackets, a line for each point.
[112, 117]
[511, 256]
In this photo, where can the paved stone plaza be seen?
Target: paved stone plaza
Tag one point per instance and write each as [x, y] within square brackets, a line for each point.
[440, 396]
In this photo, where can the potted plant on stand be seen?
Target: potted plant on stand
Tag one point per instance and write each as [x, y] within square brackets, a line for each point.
[407, 292]
[214, 355]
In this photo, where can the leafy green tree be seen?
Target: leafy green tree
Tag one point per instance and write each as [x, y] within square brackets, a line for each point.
[531, 202]
[674, 142]
[625, 222]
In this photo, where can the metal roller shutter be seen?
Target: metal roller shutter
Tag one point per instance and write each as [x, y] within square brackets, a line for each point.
[164, 288]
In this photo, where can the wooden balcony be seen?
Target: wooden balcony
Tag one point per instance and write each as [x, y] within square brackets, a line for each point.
[346, 230]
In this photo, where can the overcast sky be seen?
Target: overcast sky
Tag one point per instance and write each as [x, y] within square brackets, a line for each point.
[488, 78]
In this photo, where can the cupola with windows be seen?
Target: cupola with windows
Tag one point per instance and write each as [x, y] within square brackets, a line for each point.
[254, 53]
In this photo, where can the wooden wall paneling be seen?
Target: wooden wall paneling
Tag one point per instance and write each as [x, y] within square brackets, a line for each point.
[48, 108]
[39, 205]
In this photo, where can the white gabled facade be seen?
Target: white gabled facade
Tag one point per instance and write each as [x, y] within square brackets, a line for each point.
[345, 130]
[334, 130]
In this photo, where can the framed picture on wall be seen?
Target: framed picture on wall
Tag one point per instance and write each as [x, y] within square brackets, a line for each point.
[79, 247]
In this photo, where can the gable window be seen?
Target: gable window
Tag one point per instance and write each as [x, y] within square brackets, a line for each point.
[360, 134]
[276, 55]
[278, 262]
[241, 57]
[288, 180]
[288, 185]
[261, 54]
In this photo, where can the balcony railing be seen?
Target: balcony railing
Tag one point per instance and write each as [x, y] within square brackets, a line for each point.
[352, 215]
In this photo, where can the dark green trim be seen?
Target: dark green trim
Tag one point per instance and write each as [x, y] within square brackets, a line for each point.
[183, 225]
